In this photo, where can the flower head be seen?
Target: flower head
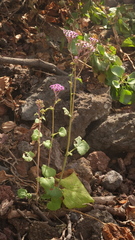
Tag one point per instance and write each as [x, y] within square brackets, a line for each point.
[57, 87]
[70, 34]
[93, 40]
[85, 47]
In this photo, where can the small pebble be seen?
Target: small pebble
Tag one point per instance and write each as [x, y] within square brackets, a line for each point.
[112, 180]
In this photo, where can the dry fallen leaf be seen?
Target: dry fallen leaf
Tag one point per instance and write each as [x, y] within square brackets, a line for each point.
[130, 212]
[4, 206]
[84, 22]
[112, 231]
[66, 173]
[8, 126]
[4, 84]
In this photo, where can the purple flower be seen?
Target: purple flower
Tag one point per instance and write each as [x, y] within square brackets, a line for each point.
[57, 87]
[93, 40]
[85, 47]
[70, 34]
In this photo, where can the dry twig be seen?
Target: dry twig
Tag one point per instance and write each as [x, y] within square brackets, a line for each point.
[38, 63]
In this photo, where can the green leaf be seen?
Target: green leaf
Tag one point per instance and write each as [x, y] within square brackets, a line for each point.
[101, 49]
[98, 64]
[131, 76]
[55, 192]
[118, 70]
[36, 135]
[110, 77]
[112, 49]
[125, 96]
[81, 146]
[131, 81]
[114, 92]
[37, 120]
[47, 171]
[129, 42]
[116, 83]
[47, 183]
[28, 156]
[77, 141]
[54, 204]
[66, 112]
[62, 132]
[73, 48]
[79, 79]
[74, 192]
[23, 193]
[47, 144]
[117, 61]
[44, 196]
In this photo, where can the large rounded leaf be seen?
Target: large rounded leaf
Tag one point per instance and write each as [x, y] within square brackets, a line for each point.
[118, 70]
[125, 96]
[74, 192]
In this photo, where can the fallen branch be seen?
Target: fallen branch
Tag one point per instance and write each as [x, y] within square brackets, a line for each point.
[48, 67]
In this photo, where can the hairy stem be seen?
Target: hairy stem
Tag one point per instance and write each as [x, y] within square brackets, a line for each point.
[38, 160]
[52, 133]
[72, 98]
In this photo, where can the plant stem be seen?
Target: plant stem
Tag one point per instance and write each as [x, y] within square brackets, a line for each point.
[38, 160]
[72, 98]
[52, 137]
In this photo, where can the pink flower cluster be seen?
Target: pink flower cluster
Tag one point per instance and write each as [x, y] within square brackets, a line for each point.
[93, 40]
[70, 34]
[57, 87]
[83, 45]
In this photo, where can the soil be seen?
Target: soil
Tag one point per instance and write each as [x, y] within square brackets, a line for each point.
[33, 31]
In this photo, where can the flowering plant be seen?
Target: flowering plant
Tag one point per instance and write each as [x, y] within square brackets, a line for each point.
[59, 190]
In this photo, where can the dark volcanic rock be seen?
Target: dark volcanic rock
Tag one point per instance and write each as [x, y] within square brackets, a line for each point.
[114, 135]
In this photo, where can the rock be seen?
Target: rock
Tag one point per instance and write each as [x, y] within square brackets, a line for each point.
[2, 236]
[112, 180]
[131, 174]
[89, 108]
[42, 91]
[128, 1]
[82, 168]
[98, 161]
[3, 42]
[85, 105]
[23, 147]
[111, 3]
[90, 228]
[114, 135]
[41, 230]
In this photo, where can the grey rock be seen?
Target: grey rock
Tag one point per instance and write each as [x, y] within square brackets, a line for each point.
[42, 230]
[111, 3]
[90, 228]
[88, 107]
[114, 135]
[24, 146]
[42, 91]
[82, 168]
[112, 180]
